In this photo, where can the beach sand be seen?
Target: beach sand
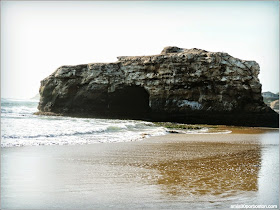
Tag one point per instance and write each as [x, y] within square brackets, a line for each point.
[175, 171]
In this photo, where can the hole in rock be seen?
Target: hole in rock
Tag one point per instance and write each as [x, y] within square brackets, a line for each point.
[130, 101]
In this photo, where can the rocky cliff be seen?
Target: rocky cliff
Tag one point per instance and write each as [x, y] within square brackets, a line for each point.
[181, 85]
[271, 100]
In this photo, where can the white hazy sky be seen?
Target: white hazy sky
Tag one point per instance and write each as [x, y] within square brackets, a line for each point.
[38, 37]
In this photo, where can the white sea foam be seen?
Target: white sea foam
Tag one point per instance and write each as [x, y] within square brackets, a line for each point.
[19, 127]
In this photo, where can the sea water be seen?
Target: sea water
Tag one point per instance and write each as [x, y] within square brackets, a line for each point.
[20, 127]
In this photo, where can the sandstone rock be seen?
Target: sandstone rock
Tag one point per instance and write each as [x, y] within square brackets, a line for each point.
[275, 105]
[182, 85]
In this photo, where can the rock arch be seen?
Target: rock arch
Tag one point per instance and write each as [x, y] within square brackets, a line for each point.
[129, 101]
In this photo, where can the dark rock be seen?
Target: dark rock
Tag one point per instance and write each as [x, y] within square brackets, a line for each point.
[179, 85]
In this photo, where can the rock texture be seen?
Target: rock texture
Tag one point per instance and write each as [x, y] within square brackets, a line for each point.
[271, 100]
[181, 85]
[275, 105]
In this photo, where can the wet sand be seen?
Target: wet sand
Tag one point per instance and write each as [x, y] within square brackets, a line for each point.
[176, 171]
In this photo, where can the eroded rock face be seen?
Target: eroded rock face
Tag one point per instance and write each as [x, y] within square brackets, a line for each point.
[183, 85]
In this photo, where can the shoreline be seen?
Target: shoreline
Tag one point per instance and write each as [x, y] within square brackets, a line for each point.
[178, 133]
[172, 171]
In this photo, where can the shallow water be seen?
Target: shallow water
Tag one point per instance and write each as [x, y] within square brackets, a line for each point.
[20, 127]
[178, 171]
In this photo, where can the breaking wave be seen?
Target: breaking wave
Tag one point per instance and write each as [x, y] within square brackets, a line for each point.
[19, 127]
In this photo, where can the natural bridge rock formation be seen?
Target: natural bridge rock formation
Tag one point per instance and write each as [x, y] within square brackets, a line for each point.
[181, 85]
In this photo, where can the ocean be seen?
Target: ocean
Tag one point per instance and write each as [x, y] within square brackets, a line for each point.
[20, 127]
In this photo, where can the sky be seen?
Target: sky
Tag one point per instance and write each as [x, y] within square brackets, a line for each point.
[37, 37]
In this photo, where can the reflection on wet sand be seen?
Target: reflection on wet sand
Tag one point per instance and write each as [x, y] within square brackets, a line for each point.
[221, 174]
[175, 171]
[214, 165]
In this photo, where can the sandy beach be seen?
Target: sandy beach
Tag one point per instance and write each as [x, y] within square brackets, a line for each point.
[175, 171]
